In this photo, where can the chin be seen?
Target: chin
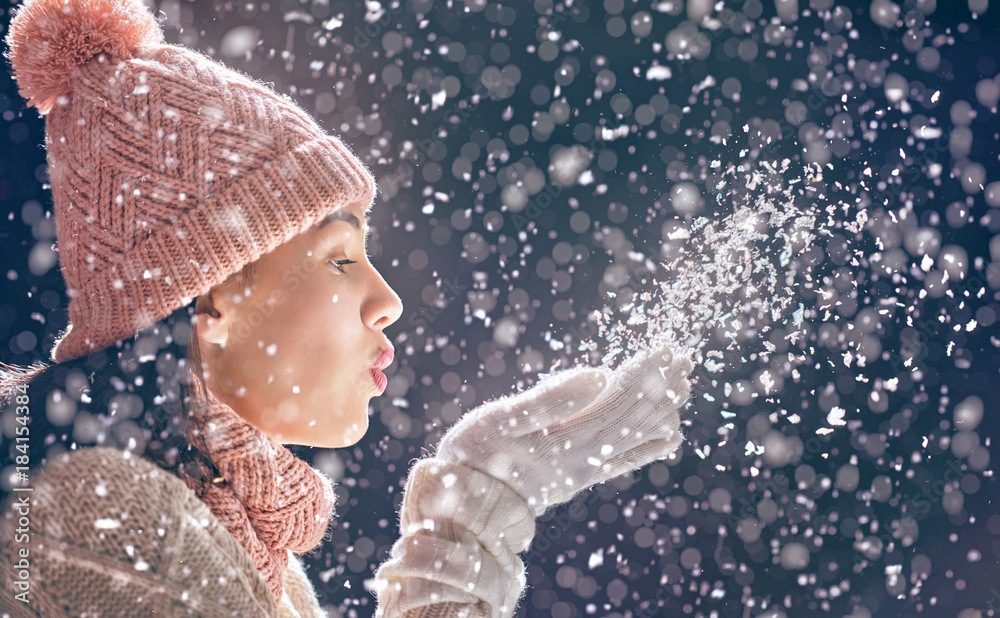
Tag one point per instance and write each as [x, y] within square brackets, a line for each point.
[346, 433]
[353, 435]
[315, 441]
[336, 427]
[340, 434]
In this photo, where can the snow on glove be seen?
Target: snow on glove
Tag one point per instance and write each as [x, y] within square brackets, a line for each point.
[469, 510]
[575, 429]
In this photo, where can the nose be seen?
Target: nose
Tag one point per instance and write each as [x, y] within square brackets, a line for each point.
[382, 307]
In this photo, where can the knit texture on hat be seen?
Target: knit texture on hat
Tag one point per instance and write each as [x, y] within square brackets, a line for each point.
[269, 499]
[169, 171]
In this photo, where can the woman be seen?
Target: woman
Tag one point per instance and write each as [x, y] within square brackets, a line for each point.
[212, 239]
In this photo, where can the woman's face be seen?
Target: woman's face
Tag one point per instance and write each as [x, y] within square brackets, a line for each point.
[293, 353]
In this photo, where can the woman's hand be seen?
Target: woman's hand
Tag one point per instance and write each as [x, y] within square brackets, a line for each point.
[576, 428]
[469, 511]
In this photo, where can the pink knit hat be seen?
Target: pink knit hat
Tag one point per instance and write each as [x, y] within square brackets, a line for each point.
[169, 171]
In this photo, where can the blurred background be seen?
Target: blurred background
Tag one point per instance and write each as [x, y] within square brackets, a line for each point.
[540, 164]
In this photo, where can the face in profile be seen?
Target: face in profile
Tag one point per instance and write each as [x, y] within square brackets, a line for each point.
[297, 353]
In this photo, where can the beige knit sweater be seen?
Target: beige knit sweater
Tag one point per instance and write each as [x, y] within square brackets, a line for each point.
[115, 535]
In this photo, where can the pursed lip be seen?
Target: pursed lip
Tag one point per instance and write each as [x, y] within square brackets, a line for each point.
[384, 359]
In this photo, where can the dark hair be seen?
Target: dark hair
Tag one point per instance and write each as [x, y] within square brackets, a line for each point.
[130, 396]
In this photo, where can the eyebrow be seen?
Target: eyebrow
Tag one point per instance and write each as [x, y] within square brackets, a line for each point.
[351, 219]
[342, 215]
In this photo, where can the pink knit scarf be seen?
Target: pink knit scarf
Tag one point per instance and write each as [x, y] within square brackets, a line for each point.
[270, 500]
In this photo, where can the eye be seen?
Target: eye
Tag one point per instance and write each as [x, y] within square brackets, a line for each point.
[339, 264]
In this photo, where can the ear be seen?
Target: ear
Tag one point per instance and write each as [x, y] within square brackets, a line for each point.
[213, 319]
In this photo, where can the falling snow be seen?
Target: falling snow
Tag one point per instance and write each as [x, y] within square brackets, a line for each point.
[803, 196]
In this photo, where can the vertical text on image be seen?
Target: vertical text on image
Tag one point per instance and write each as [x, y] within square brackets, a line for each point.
[21, 504]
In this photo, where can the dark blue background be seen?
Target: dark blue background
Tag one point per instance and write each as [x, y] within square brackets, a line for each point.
[453, 364]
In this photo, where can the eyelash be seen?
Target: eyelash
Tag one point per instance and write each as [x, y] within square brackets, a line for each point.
[338, 264]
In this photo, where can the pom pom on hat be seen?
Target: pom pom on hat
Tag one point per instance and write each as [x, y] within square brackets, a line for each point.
[50, 39]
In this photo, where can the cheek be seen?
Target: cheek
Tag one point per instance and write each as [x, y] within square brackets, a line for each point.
[314, 324]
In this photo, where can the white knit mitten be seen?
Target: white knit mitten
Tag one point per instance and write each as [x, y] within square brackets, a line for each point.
[575, 429]
[468, 511]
